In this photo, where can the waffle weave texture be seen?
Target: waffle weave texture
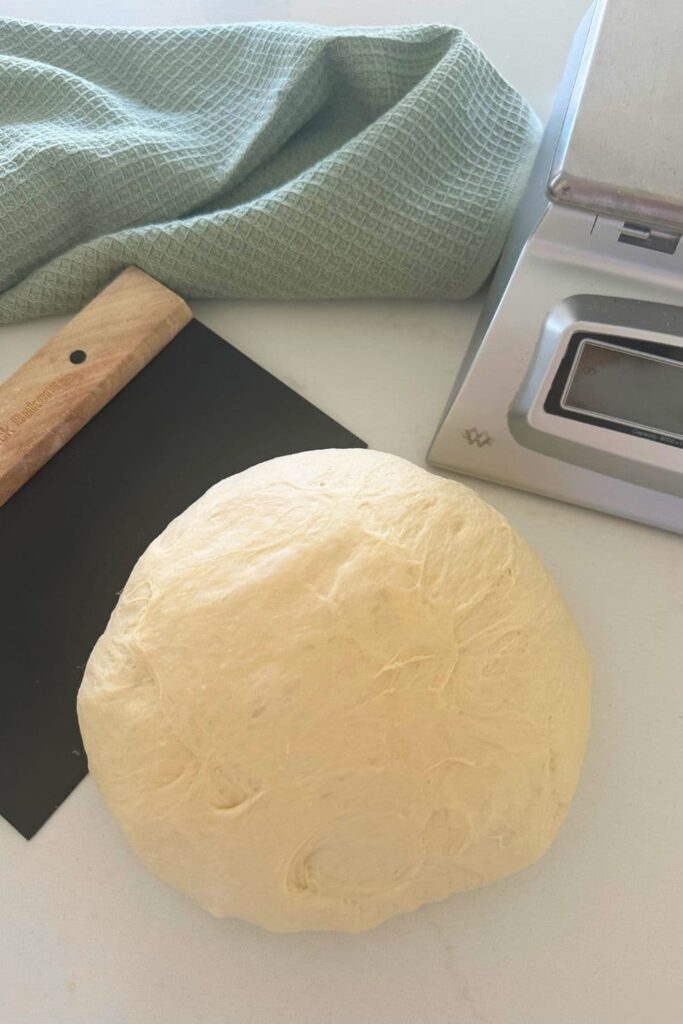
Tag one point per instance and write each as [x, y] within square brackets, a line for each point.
[253, 160]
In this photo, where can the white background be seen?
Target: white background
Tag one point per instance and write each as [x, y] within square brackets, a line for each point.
[592, 934]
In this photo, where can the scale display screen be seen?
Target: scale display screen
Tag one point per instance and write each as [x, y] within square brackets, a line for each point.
[626, 386]
[601, 400]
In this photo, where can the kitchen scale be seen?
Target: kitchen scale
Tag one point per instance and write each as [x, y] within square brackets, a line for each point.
[573, 382]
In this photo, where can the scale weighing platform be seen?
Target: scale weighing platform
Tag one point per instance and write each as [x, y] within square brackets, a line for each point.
[573, 382]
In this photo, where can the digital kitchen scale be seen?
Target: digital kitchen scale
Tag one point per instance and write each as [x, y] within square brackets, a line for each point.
[573, 383]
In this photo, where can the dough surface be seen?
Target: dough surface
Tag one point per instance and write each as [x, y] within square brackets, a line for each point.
[335, 688]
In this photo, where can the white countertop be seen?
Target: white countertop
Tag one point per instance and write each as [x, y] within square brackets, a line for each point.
[593, 933]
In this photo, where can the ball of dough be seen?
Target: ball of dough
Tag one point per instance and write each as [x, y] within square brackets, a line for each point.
[335, 688]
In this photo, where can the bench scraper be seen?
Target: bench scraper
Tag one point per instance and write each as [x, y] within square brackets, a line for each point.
[189, 410]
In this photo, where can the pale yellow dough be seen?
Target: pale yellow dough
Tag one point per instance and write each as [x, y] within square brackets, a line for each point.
[335, 688]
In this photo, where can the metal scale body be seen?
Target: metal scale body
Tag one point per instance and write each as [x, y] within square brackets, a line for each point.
[573, 383]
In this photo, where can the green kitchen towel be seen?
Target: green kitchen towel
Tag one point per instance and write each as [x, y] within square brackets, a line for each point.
[253, 160]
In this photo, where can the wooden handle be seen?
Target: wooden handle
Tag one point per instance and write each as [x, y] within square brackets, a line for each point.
[60, 388]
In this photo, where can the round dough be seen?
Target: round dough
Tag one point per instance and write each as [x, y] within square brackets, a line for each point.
[335, 688]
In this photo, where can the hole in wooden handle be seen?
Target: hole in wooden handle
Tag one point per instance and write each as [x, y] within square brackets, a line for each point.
[78, 356]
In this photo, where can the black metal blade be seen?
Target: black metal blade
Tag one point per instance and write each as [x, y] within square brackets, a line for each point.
[69, 538]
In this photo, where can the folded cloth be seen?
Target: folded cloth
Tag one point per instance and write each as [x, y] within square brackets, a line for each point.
[253, 160]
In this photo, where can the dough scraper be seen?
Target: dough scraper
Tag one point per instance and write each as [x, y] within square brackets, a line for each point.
[155, 408]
